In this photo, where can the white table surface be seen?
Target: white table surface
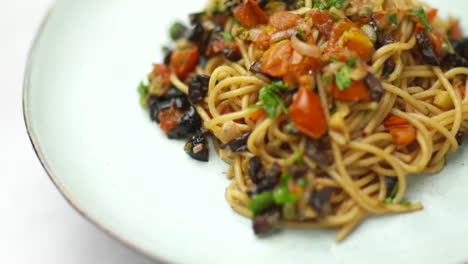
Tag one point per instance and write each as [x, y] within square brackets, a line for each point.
[36, 223]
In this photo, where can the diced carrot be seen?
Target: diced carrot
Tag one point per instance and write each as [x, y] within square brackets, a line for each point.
[257, 115]
[284, 20]
[183, 61]
[276, 59]
[431, 15]
[323, 21]
[168, 118]
[307, 113]
[357, 91]
[250, 14]
[402, 131]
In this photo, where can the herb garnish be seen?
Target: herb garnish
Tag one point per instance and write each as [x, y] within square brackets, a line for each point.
[393, 18]
[419, 11]
[302, 33]
[392, 195]
[227, 36]
[271, 98]
[143, 91]
[343, 79]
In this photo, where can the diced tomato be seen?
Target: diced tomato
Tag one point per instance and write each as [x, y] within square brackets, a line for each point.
[357, 91]
[402, 131]
[250, 14]
[338, 30]
[284, 20]
[431, 15]
[356, 40]
[276, 59]
[263, 40]
[257, 115]
[296, 72]
[437, 38]
[183, 61]
[168, 118]
[455, 31]
[307, 113]
[218, 43]
[323, 21]
[161, 74]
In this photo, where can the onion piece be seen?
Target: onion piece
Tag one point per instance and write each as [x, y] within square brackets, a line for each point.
[281, 35]
[305, 48]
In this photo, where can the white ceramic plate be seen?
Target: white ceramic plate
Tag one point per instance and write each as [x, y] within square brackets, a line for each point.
[119, 170]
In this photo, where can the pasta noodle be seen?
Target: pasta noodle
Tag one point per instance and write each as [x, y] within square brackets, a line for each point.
[373, 142]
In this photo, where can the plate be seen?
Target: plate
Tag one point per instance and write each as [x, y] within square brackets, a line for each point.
[119, 170]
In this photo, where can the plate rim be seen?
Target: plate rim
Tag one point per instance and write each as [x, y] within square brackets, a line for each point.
[39, 154]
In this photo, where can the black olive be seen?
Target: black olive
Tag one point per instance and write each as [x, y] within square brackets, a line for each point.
[189, 123]
[255, 67]
[460, 135]
[198, 87]
[389, 67]
[460, 46]
[375, 87]
[271, 179]
[196, 33]
[267, 222]
[454, 60]
[195, 18]
[262, 3]
[320, 200]
[391, 183]
[197, 147]
[153, 108]
[384, 39]
[256, 170]
[238, 144]
[316, 151]
[427, 49]
[167, 55]
[231, 54]
[297, 171]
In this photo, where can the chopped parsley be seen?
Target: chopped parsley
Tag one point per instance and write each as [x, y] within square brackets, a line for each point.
[405, 203]
[325, 4]
[218, 8]
[227, 36]
[143, 91]
[236, 21]
[302, 182]
[298, 158]
[271, 99]
[351, 62]
[343, 80]
[419, 11]
[393, 18]
[327, 79]
[260, 202]
[177, 30]
[334, 109]
[302, 34]
[392, 195]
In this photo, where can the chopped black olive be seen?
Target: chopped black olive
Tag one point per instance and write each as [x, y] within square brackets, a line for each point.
[316, 151]
[231, 54]
[167, 55]
[384, 39]
[238, 144]
[389, 67]
[153, 108]
[197, 147]
[391, 183]
[198, 87]
[375, 87]
[267, 222]
[460, 135]
[196, 33]
[195, 18]
[256, 170]
[460, 57]
[460, 46]
[271, 179]
[189, 123]
[320, 200]
[427, 49]
[255, 67]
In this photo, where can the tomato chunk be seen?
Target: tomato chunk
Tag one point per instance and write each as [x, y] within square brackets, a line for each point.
[250, 14]
[169, 117]
[183, 61]
[323, 21]
[307, 113]
[402, 131]
[276, 59]
[284, 20]
[357, 91]
[161, 74]
[296, 72]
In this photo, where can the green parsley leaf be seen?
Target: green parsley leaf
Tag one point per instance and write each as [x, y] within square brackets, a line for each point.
[334, 109]
[419, 11]
[298, 158]
[218, 8]
[318, 4]
[281, 194]
[351, 62]
[343, 80]
[337, 3]
[271, 99]
[177, 30]
[260, 202]
[392, 195]
[405, 203]
[143, 91]
[327, 79]
[236, 21]
[393, 18]
[227, 36]
[302, 182]
[302, 33]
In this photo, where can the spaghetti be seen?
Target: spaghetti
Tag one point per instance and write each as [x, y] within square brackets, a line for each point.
[322, 108]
